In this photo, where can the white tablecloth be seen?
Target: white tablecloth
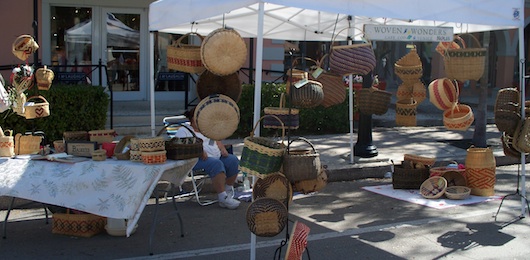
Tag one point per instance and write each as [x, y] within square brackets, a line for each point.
[111, 188]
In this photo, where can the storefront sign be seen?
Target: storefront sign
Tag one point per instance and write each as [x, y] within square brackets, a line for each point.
[408, 33]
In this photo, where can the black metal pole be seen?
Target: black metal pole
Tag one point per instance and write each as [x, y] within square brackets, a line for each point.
[36, 30]
[364, 147]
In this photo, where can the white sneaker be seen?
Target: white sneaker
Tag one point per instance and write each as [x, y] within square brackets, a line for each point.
[230, 193]
[229, 203]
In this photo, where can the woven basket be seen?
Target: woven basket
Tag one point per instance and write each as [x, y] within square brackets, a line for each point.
[521, 137]
[135, 156]
[266, 217]
[298, 167]
[102, 136]
[135, 144]
[358, 59]
[289, 116]
[210, 84]
[408, 178]
[7, 143]
[37, 110]
[507, 117]
[409, 67]
[261, 155]
[465, 63]
[419, 91]
[333, 85]
[70, 136]
[312, 185]
[457, 192]
[441, 170]
[309, 95]
[443, 46]
[122, 150]
[434, 187]
[293, 76]
[99, 155]
[442, 93]
[424, 160]
[406, 112]
[455, 178]
[373, 101]
[80, 225]
[217, 116]
[459, 118]
[24, 46]
[223, 51]
[275, 186]
[27, 144]
[156, 157]
[507, 96]
[507, 146]
[480, 171]
[183, 148]
[185, 57]
[404, 91]
[152, 144]
[44, 77]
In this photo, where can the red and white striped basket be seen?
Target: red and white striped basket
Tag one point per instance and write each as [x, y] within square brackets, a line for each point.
[156, 157]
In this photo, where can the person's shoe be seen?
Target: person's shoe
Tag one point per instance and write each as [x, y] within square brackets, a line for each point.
[230, 193]
[229, 203]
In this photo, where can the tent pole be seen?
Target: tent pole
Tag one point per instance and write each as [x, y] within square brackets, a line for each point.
[257, 96]
[151, 81]
[522, 71]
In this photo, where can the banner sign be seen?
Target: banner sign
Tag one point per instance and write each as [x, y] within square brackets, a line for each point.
[411, 33]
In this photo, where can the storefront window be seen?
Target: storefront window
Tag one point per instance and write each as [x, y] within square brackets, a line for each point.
[168, 80]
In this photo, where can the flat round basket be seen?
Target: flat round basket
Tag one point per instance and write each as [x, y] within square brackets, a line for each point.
[434, 187]
[266, 217]
[457, 192]
[217, 116]
[223, 52]
[275, 186]
[455, 178]
[209, 84]
[122, 150]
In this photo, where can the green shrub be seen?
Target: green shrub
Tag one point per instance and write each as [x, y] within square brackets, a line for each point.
[72, 108]
[313, 121]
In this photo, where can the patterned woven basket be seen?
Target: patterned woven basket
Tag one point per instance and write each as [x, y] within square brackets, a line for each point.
[442, 93]
[37, 110]
[457, 192]
[434, 187]
[156, 157]
[465, 63]
[333, 85]
[459, 118]
[480, 171]
[210, 84]
[419, 91]
[70, 136]
[275, 186]
[408, 73]
[24, 46]
[7, 143]
[261, 155]
[307, 96]
[102, 136]
[373, 101]
[217, 116]
[408, 178]
[406, 112]
[298, 167]
[288, 116]
[152, 144]
[183, 148]
[357, 59]
[404, 91]
[266, 217]
[507, 117]
[223, 51]
[44, 77]
[185, 57]
[122, 150]
[80, 225]
[135, 156]
[99, 155]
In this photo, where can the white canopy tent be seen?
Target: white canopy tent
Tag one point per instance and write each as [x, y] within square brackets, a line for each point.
[317, 20]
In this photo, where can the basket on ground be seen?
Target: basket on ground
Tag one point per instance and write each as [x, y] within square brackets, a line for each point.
[457, 192]
[408, 178]
[434, 187]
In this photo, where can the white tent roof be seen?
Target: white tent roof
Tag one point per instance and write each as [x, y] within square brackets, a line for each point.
[317, 20]
[119, 34]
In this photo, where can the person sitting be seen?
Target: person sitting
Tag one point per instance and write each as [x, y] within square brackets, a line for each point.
[221, 166]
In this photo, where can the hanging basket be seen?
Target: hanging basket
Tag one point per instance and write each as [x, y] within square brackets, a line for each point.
[297, 167]
[211, 84]
[357, 59]
[442, 93]
[24, 46]
[217, 116]
[223, 52]
[406, 112]
[262, 156]
[266, 217]
[507, 96]
[373, 101]
[275, 186]
[507, 146]
[507, 117]
[288, 116]
[465, 63]
[307, 96]
[185, 57]
[409, 67]
[460, 117]
[332, 84]
[44, 77]
[36, 110]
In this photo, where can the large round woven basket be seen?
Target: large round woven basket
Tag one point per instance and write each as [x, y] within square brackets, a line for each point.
[459, 117]
[298, 167]
[266, 217]
[308, 96]
[210, 84]
[223, 52]
[275, 186]
[480, 171]
[442, 93]
[217, 116]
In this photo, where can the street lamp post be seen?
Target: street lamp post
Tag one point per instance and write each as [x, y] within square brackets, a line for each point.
[364, 147]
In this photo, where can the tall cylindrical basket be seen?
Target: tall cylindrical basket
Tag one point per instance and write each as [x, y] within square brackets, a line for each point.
[480, 171]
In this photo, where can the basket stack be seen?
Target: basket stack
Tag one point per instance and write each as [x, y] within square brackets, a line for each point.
[406, 112]
[410, 70]
[135, 154]
[153, 150]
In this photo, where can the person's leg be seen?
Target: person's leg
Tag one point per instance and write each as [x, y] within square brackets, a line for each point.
[231, 164]
[216, 170]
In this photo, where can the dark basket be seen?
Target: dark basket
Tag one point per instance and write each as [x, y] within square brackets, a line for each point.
[301, 166]
[408, 178]
[373, 101]
[308, 96]
[177, 150]
[209, 84]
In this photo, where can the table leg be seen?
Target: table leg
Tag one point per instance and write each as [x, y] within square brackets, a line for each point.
[7, 216]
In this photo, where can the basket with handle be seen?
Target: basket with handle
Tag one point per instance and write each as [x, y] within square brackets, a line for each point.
[297, 73]
[7, 143]
[44, 77]
[465, 63]
[442, 93]
[37, 110]
[183, 148]
[507, 117]
[185, 57]
[289, 116]
[332, 84]
[309, 95]
[24, 46]
[298, 167]
[405, 177]
[358, 59]
[373, 101]
[261, 155]
[434, 187]
[460, 117]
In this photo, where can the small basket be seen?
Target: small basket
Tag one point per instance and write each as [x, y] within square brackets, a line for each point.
[507, 95]
[443, 93]
[44, 77]
[288, 116]
[152, 144]
[7, 143]
[457, 192]
[24, 46]
[37, 110]
[99, 155]
[298, 167]
[406, 112]
[460, 117]
[427, 161]
[102, 136]
[373, 101]
[185, 57]
[183, 148]
[156, 157]
[80, 225]
[135, 144]
[434, 187]
[72, 136]
[135, 156]
[266, 217]
[122, 150]
[59, 146]
[307, 96]
[217, 116]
